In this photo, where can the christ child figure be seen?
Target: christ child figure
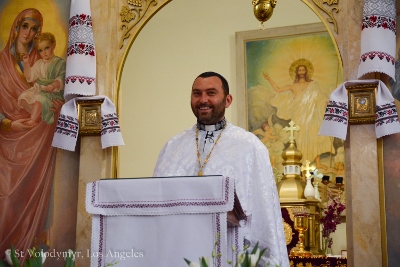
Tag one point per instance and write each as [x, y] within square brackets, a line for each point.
[48, 75]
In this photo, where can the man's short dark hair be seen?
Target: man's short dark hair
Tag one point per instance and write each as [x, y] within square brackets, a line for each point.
[225, 85]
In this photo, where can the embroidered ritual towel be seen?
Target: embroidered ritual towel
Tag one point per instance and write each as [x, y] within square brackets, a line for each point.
[378, 38]
[335, 120]
[81, 57]
[147, 215]
[67, 129]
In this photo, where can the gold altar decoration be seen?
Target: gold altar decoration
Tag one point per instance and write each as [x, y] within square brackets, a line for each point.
[263, 9]
[287, 230]
[89, 116]
[131, 14]
[332, 7]
[317, 261]
[362, 103]
[300, 225]
[291, 187]
[291, 194]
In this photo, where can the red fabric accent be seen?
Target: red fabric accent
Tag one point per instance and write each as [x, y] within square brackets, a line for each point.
[27, 159]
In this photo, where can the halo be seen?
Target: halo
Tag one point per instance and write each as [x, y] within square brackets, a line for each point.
[298, 62]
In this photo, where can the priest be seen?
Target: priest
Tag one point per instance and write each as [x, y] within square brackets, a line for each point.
[216, 147]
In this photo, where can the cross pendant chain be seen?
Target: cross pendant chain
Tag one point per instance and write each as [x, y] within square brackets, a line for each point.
[201, 166]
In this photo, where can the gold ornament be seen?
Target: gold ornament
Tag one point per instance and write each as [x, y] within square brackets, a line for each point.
[201, 166]
[263, 9]
[287, 229]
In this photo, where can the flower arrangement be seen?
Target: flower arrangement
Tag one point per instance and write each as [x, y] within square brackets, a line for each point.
[331, 218]
[244, 259]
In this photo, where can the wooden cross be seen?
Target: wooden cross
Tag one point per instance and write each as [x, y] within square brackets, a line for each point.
[307, 168]
[291, 129]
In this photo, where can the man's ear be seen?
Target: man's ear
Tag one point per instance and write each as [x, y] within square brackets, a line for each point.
[228, 100]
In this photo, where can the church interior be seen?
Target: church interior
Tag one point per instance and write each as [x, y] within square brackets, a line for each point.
[147, 54]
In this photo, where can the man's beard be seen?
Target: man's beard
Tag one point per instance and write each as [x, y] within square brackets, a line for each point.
[217, 113]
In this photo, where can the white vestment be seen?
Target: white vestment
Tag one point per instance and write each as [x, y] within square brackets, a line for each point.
[240, 155]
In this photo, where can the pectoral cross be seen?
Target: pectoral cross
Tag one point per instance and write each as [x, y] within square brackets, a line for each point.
[307, 168]
[292, 128]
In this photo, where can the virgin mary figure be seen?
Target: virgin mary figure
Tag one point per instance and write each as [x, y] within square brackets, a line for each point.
[27, 159]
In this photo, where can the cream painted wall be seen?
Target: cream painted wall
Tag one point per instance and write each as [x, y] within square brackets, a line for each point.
[184, 39]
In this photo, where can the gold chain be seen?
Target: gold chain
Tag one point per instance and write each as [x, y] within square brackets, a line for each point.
[201, 166]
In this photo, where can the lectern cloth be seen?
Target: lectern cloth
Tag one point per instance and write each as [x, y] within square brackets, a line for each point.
[66, 132]
[335, 120]
[158, 221]
[378, 38]
[239, 154]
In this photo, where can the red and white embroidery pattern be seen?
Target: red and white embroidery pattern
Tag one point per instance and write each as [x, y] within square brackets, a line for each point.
[336, 111]
[110, 124]
[81, 79]
[383, 22]
[386, 114]
[381, 55]
[378, 38]
[80, 39]
[67, 125]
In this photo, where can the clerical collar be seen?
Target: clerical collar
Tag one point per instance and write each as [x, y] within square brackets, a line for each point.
[215, 127]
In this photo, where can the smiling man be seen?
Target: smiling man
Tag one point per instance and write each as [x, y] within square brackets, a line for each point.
[216, 147]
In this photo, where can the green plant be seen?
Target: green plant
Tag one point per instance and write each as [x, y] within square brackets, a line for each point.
[244, 259]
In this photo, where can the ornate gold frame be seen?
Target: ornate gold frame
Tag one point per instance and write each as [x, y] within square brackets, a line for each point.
[362, 103]
[382, 202]
[89, 116]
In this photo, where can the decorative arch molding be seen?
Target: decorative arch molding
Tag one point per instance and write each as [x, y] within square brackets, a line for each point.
[330, 8]
[134, 14]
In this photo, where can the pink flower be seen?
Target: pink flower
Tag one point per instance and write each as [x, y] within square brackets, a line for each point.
[331, 218]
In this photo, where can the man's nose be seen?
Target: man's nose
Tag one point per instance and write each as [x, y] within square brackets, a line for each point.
[204, 98]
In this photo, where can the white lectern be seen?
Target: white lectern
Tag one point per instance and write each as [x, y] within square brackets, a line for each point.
[150, 222]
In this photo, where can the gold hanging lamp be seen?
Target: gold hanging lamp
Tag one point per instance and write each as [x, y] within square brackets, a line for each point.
[263, 10]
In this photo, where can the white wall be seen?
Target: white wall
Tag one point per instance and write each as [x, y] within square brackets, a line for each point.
[184, 39]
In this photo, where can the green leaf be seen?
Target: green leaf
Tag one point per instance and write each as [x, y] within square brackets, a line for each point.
[39, 260]
[69, 262]
[14, 257]
[246, 261]
[255, 249]
[187, 261]
[203, 262]
[28, 263]
[3, 263]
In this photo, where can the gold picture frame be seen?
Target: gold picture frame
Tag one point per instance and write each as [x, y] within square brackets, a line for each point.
[274, 53]
[362, 103]
[89, 116]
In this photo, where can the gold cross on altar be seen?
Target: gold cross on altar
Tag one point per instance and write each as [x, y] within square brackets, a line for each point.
[291, 129]
[307, 168]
